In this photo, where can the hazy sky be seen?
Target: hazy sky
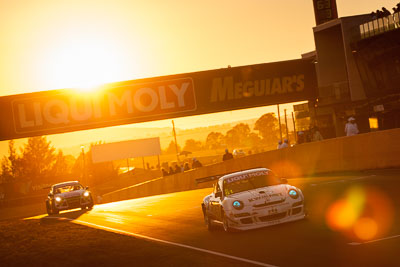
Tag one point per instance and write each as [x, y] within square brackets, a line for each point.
[53, 44]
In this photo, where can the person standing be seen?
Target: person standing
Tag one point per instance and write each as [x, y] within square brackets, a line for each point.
[351, 127]
[227, 156]
[279, 144]
[316, 135]
[196, 163]
[285, 143]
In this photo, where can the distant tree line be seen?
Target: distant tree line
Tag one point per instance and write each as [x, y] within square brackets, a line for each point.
[37, 162]
[264, 134]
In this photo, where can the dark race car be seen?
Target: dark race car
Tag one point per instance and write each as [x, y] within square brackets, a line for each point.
[68, 195]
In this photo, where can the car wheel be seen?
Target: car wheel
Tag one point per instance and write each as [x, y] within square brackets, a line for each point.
[208, 222]
[91, 204]
[225, 223]
[54, 209]
[48, 209]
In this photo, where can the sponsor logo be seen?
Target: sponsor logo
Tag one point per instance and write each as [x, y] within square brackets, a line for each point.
[225, 88]
[266, 196]
[119, 104]
[245, 176]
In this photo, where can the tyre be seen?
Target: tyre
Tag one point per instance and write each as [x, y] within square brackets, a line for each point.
[225, 223]
[91, 204]
[48, 209]
[54, 209]
[208, 222]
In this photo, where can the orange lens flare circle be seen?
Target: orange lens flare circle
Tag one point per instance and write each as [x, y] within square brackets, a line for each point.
[365, 228]
[364, 213]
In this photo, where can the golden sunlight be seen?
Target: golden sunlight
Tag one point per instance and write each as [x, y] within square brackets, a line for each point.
[84, 63]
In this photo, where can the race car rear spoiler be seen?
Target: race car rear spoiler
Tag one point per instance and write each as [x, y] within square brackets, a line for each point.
[208, 179]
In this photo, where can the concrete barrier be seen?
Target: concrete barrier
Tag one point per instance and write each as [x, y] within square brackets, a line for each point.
[375, 150]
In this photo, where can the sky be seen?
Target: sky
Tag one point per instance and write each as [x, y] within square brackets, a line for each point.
[54, 44]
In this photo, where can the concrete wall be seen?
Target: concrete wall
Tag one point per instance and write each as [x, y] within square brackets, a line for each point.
[365, 151]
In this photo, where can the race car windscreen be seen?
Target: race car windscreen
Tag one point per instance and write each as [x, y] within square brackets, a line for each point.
[249, 181]
[68, 188]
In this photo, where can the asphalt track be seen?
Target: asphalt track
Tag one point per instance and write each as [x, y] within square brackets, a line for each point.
[328, 237]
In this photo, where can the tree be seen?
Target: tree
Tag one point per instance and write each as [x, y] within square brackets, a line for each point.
[171, 149]
[5, 170]
[61, 166]
[253, 140]
[267, 126]
[11, 166]
[38, 157]
[192, 145]
[215, 140]
[236, 136]
[95, 173]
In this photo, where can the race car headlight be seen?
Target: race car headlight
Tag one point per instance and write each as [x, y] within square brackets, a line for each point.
[293, 194]
[237, 204]
[86, 194]
[58, 199]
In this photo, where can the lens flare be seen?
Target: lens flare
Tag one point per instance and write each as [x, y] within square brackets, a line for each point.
[364, 213]
[343, 213]
[365, 228]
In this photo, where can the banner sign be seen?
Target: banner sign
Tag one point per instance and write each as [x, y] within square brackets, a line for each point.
[325, 10]
[126, 149]
[157, 98]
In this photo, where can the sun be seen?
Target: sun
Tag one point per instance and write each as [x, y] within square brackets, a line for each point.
[84, 63]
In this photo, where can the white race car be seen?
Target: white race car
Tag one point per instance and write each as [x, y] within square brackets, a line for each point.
[68, 195]
[251, 199]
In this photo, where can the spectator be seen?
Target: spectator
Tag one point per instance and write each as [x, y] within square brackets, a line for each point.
[285, 143]
[171, 171]
[186, 167]
[379, 14]
[385, 12]
[227, 156]
[196, 164]
[300, 137]
[279, 144]
[351, 127]
[316, 135]
[177, 168]
[164, 172]
[397, 8]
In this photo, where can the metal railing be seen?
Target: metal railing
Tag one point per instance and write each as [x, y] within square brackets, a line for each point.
[379, 26]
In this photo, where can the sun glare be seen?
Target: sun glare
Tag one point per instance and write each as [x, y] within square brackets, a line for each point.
[84, 63]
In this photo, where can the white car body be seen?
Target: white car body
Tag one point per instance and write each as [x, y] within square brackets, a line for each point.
[256, 207]
[68, 195]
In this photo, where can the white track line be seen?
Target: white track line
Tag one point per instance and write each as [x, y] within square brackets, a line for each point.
[372, 241]
[110, 229]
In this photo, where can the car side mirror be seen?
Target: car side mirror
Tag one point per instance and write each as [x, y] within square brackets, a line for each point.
[50, 194]
[218, 194]
[87, 188]
[284, 180]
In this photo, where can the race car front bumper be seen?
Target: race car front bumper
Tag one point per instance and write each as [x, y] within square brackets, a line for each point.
[73, 203]
[272, 215]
